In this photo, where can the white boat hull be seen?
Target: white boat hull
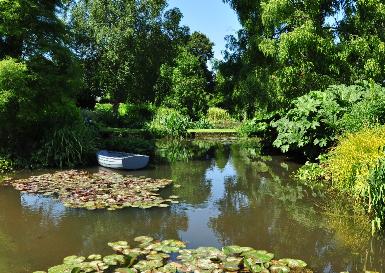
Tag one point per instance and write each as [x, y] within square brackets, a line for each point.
[117, 160]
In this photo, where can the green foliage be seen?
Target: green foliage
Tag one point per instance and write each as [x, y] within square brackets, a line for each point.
[260, 126]
[376, 195]
[104, 114]
[135, 115]
[122, 45]
[368, 112]
[6, 165]
[220, 118]
[202, 124]
[350, 162]
[215, 114]
[286, 49]
[169, 122]
[313, 122]
[311, 175]
[188, 84]
[67, 147]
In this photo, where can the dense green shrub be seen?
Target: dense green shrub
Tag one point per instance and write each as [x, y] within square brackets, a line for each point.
[260, 126]
[313, 123]
[169, 122]
[104, 114]
[67, 147]
[6, 164]
[376, 197]
[350, 162]
[135, 115]
[367, 112]
[220, 118]
[202, 124]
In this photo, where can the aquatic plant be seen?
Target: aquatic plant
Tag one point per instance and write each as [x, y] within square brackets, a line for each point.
[152, 256]
[81, 189]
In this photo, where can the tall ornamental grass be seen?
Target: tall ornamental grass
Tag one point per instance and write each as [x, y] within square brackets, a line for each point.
[352, 160]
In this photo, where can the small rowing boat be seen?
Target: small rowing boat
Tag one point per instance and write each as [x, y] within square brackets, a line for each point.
[120, 160]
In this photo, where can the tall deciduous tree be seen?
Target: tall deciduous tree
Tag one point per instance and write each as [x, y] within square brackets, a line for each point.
[38, 82]
[287, 48]
[122, 45]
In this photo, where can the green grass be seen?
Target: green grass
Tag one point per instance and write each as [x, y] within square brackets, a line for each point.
[211, 131]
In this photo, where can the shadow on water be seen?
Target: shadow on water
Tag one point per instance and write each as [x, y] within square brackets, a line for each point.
[229, 194]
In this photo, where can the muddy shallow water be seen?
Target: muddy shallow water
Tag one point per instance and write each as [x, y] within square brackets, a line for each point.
[231, 195]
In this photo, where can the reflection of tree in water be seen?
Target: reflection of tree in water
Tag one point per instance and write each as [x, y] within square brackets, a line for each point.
[277, 218]
[195, 189]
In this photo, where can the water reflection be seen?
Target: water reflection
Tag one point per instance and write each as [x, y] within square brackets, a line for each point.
[230, 194]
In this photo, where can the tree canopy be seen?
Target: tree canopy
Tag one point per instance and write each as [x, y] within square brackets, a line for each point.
[287, 48]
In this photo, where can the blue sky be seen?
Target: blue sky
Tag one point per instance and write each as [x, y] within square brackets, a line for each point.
[211, 17]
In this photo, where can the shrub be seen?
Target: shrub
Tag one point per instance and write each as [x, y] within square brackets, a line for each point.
[6, 164]
[169, 122]
[350, 162]
[376, 196]
[220, 118]
[260, 126]
[135, 115]
[67, 147]
[367, 112]
[312, 124]
[104, 114]
[202, 124]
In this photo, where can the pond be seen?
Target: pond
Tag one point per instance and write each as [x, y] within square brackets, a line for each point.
[229, 194]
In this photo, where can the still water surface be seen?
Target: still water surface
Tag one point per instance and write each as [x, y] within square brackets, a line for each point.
[231, 195]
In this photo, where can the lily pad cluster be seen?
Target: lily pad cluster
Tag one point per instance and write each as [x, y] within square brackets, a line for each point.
[150, 256]
[101, 190]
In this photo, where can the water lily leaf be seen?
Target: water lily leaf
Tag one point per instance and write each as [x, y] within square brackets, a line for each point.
[119, 246]
[232, 264]
[260, 256]
[114, 259]
[102, 190]
[232, 250]
[74, 260]
[279, 269]
[126, 270]
[293, 263]
[251, 265]
[94, 257]
[148, 265]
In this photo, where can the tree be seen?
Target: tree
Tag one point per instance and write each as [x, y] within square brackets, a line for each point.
[122, 45]
[37, 85]
[287, 48]
[188, 85]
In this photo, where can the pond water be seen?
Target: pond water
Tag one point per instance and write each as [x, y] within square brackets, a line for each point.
[229, 194]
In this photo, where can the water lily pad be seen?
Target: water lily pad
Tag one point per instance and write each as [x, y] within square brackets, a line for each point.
[152, 256]
[114, 259]
[94, 257]
[260, 256]
[102, 190]
[74, 260]
[119, 245]
[252, 265]
[293, 263]
[279, 269]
